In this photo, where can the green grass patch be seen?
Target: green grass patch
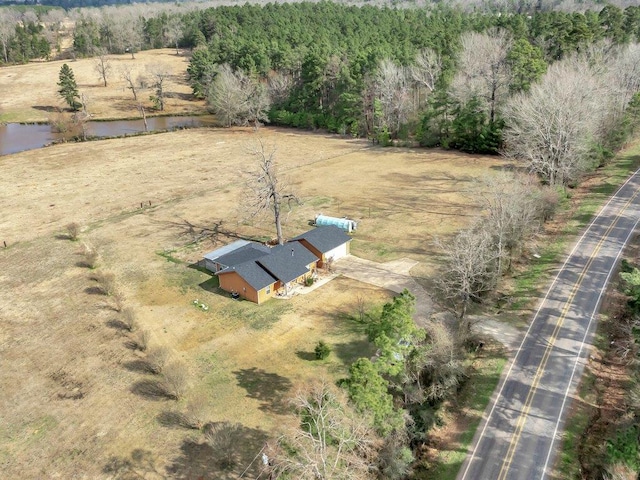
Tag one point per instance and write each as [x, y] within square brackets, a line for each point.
[168, 256]
[319, 201]
[256, 317]
[473, 399]
[568, 465]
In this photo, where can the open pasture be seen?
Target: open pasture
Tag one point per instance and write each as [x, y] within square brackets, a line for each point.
[75, 399]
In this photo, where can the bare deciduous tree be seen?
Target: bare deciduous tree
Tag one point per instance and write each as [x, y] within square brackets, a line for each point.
[393, 93]
[266, 190]
[174, 31]
[279, 86]
[469, 271]
[483, 69]
[8, 20]
[513, 209]
[159, 74]
[333, 441]
[223, 438]
[237, 98]
[426, 70]
[127, 30]
[127, 76]
[442, 367]
[103, 67]
[551, 128]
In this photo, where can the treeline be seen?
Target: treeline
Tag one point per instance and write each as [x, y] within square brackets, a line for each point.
[439, 76]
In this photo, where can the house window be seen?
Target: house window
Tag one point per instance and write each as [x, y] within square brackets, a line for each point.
[268, 290]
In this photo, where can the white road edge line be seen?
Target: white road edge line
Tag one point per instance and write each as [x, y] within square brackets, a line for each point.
[582, 344]
[573, 250]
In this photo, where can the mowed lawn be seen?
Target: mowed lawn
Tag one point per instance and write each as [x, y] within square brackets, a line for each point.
[71, 402]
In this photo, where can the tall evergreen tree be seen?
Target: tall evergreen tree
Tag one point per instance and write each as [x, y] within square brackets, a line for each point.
[69, 88]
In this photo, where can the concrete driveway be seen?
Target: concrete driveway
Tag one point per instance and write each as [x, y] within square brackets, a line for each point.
[393, 275]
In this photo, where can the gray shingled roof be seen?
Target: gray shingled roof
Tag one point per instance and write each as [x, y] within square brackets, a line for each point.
[287, 262]
[250, 251]
[252, 273]
[217, 253]
[325, 238]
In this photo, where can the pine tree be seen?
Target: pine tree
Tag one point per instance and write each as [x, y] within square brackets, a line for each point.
[68, 88]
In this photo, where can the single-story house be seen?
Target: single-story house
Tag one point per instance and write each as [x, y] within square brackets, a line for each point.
[257, 272]
[327, 243]
[235, 253]
[259, 277]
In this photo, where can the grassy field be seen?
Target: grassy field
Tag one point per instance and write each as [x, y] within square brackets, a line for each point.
[73, 402]
[34, 96]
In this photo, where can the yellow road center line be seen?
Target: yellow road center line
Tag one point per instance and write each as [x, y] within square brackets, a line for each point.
[542, 365]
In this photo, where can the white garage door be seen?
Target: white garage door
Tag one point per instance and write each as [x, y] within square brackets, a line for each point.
[336, 253]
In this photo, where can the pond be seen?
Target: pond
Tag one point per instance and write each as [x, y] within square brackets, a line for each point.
[17, 137]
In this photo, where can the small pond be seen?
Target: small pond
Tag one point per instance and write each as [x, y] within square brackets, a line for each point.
[17, 137]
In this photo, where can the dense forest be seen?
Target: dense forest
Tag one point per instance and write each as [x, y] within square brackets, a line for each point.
[439, 76]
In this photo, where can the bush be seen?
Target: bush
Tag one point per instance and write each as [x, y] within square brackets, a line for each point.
[91, 256]
[322, 350]
[308, 281]
[73, 231]
[106, 282]
[175, 379]
[196, 411]
[128, 316]
[118, 299]
[142, 340]
[157, 359]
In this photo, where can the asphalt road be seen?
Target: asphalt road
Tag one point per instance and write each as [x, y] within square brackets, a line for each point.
[521, 431]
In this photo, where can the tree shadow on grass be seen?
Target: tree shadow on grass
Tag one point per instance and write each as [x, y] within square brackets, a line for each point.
[349, 352]
[269, 389]
[139, 366]
[138, 465]
[117, 325]
[151, 390]
[309, 356]
[174, 419]
[94, 291]
[232, 451]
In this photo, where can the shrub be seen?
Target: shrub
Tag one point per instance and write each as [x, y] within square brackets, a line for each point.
[142, 340]
[118, 300]
[196, 412]
[106, 282]
[157, 359]
[322, 350]
[128, 316]
[175, 379]
[73, 231]
[91, 256]
[308, 281]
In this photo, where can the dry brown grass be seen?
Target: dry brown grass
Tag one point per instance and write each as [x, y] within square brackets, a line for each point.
[34, 95]
[245, 359]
